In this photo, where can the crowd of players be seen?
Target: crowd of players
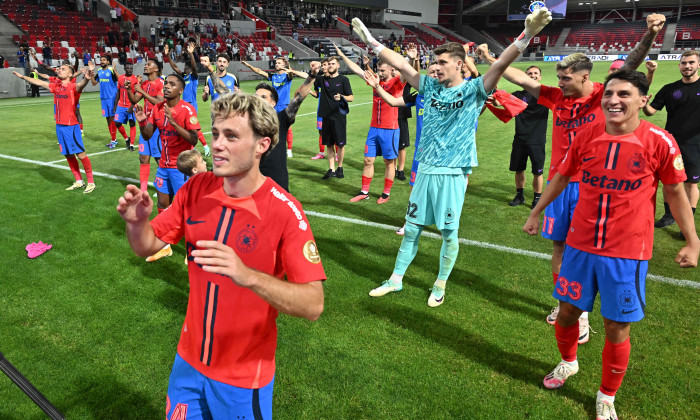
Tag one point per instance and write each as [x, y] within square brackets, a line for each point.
[245, 233]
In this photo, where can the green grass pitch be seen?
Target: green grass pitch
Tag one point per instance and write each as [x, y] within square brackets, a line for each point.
[95, 328]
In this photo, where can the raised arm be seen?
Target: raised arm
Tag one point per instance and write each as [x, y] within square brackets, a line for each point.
[193, 64]
[87, 75]
[636, 57]
[93, 79]
[534, 23]
[145, 127]
[219, 86]
[348, 62]
[394, 59]
[256, 70]
[135, 207]
[511, 74]
[166, 54]
[300, 95]
[651, 69]
[373, 80]
[32, 80]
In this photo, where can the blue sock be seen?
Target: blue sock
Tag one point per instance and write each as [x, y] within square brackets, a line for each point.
[448, 253]
[408, 248]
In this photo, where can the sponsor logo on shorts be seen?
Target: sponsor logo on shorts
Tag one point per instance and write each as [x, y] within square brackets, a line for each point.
[624, 312]
[311, 252]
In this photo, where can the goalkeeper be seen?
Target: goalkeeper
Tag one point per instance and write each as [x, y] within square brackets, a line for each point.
[448, 148]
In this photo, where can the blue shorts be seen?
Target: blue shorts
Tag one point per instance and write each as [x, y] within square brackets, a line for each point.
[150, 147]
[382, 142]
[319, 123]
[108, 107]
[169, 180]
[557, 215]
[70, 140]
[123, 115]
[437, 199]
[192, 395]
[621, 283]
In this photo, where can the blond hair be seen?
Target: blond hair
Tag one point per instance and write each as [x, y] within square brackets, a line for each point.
[691, 52]
[575, 62]
[187, 161]
[262, 117]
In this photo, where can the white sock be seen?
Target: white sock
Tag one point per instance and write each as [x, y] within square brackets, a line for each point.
[396, 279]
[607, 397]
[441, 283]
[584, 315]
[574, 363]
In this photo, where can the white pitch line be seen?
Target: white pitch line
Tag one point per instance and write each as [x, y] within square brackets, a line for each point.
[91, 154]
[469, 242]
[35, 103]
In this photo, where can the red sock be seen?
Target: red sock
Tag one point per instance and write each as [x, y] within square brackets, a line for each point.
[321, 147]
[132, 134]
[290, 138]
[112, 130]
[81, 127]
[365, 183]
[387, 185]
[567, 341]
[144, 173]
[122, 131]
[616, 357]
[74, 167]
[555, 276]
[200, 136]
[88, 169]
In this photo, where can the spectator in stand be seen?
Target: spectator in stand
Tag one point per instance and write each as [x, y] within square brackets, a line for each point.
[113, 14]
[46, 51]
[236, 52]
[21, 57]
[118, 11]
[186, 24]
[153, 35]
[197, 28]
[159, 57]
[295, 35]
[2, 61]
[94, 7]
[214, 31]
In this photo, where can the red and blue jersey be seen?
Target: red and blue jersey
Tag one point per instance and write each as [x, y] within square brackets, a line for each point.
[571, 117]
[172, 142]
[108, 83]
[65, 98]
[230, 333]
[123, 92]
[619, 175]
[153, 88]
[383, 114]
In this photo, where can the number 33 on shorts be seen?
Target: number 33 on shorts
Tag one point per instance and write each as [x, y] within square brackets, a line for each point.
[567, 288]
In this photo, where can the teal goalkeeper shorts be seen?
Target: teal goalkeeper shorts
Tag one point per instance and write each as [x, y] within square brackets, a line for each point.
[437, 199]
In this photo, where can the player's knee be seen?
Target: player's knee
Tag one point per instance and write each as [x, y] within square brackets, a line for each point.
[412, 231]
[450, 238]
[568, 314]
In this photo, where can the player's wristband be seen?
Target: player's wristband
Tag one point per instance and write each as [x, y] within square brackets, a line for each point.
[522, 41]
[376, 46]
[143, 124]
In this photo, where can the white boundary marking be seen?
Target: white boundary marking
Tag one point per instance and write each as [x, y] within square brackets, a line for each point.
[468, 242]
[42, 102]
[92, 154]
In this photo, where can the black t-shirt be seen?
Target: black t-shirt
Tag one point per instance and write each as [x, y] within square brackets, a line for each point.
[682, 102]
[329, 87]
[274, 165]
[404, 111]
[531, 124]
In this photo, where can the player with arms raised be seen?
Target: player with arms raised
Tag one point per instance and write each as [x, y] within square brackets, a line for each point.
[612, 230]
[448, 147]
[125, 109]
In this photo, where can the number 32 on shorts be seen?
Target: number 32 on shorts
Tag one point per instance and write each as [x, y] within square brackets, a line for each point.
[567, 288]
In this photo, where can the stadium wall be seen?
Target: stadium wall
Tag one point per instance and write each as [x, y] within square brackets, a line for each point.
[428, 10]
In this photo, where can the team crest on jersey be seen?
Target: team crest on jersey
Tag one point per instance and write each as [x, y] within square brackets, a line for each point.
[311, 252]
[193, 120]
[678, 163]
[247, 240]
[677, 94]
[636, 164]
[627, 299]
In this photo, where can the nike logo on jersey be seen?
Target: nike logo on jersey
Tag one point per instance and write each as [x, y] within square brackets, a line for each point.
[194, 222]
[696, 176]
[588, 158]
[624, 312]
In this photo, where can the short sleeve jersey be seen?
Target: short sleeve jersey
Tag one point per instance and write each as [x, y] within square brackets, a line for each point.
[682, 101]
[123, 92]
[274, 165]
[189, 95]
[448, 138]
[65, 101]
[283, 85]
[328, 87]
[614, 216]
[531, 124]
[108, 83]
[229, 80]
[153, 88]
[412, 98]
[230, 333]
[383, 114]
[570, 117]
[172, 143]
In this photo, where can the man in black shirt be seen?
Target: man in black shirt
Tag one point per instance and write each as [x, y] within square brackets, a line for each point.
[682, 101]
[529, 141]
[332, 89]
[274, 165]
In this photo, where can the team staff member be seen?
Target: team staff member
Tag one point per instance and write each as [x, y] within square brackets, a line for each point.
[251, 254]
[682, 101]
[333, 89]
[612, 233]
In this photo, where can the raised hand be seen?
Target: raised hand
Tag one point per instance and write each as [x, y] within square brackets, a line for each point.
[651, 66]
[371, 78]
[139, 114]
[655, 22]
[536, 21]
[135, 206]
[412, 51]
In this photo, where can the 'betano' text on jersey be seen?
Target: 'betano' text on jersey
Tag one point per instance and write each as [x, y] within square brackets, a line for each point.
[108, 83]
[448, 138]
[614, 216]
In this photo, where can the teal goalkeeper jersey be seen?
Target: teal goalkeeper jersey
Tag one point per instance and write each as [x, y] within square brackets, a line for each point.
[448, 138]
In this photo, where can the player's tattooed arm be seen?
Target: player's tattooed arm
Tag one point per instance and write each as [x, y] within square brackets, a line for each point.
[130, 93]
[32, 80]
[300, 95]
[42, 75]
[152, 99]
[219, 85]
[636, 57]
[190, 136]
